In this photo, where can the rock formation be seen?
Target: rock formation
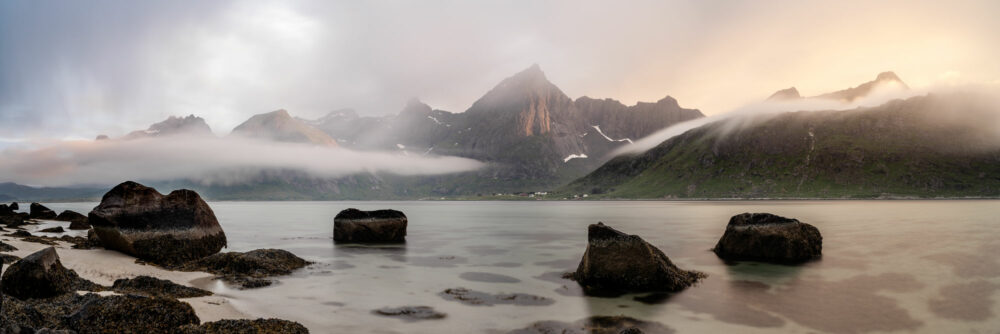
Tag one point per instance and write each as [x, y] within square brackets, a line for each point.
[769, 238]
[615, 263]
[39, 211]
[171, 229]
[353, 225]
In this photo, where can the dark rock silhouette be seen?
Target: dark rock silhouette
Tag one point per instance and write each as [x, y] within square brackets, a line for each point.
[77, 220]
[38, 211]
[171, 229]
[616, 263]
[353, 225]
[42, 275]
[769, 238]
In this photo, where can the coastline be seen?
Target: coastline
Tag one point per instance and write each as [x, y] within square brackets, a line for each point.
[105, 266]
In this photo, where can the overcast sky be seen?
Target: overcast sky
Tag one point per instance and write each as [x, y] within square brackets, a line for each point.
[75, 69]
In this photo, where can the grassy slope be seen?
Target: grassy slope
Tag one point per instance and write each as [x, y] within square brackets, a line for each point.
[904, 148]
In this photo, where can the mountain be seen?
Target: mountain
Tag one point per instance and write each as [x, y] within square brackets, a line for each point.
[190, 125]
[929, 146]
[529, 132]
[23, 193]
[846, 95]
[280, 126]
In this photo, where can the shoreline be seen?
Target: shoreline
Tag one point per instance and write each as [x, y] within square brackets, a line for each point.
[103, 267]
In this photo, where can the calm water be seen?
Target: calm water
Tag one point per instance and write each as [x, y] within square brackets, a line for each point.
[912, 266]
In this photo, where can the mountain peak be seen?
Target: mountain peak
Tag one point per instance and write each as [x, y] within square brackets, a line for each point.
[415, 106]
[282, 113]
[887, 76]
[785, 94]
[278, 125]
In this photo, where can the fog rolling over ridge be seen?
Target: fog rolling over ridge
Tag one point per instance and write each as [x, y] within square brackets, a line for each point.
[942, 142]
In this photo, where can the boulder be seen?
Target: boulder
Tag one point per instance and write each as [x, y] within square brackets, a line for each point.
[769, 238]
[166, 230]
[132, 314]
[353, 225]
[14, 206]
[38, 211]
[616, 263]
[77, 220]
[40, 275]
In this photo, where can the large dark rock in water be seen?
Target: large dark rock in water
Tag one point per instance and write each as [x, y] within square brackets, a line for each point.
[77, 220]
[769, 238]
[41, 275]
[132, 314]
[616, 263]
[14, 206]
[39, 211]
[171, 229]
[353, 225]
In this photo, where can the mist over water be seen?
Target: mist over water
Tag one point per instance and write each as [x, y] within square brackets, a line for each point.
[886, 266]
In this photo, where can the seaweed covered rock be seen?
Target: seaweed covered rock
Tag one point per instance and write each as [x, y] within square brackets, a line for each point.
[77, 220]
[616, 263]
[260, 326]
[38, 211]
[250, 268]
[41, 275]
[597, 325]
[166, 230]
[132, 314]
[154, 287]
[769, 238]
[57, 229]
[353, 225]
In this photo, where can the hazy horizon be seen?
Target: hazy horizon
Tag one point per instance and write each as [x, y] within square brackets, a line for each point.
[75, 70]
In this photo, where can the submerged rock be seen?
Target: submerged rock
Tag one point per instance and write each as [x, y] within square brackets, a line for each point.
[616, 263]
[260, 326]
[166, 230]
[597, 325]
[353, 225]
[478, 298]
[77, 220]
[410, 313]
[250, 268]
[41, 275]
[154, 287]
[769, 238]
[132, 314]
[38, 211]
[6, 247]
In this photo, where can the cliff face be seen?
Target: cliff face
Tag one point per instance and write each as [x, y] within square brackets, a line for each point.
[619, 121]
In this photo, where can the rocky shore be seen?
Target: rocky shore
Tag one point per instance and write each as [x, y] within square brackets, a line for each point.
[75, 284]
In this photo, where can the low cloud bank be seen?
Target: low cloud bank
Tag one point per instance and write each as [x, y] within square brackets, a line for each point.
[762, 111]
[207, 160]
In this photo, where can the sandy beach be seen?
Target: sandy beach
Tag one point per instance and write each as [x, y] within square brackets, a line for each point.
[104, 267]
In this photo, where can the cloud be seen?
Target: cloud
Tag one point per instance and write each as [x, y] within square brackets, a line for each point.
[978, 95]
[72, 68]
[208, 160]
